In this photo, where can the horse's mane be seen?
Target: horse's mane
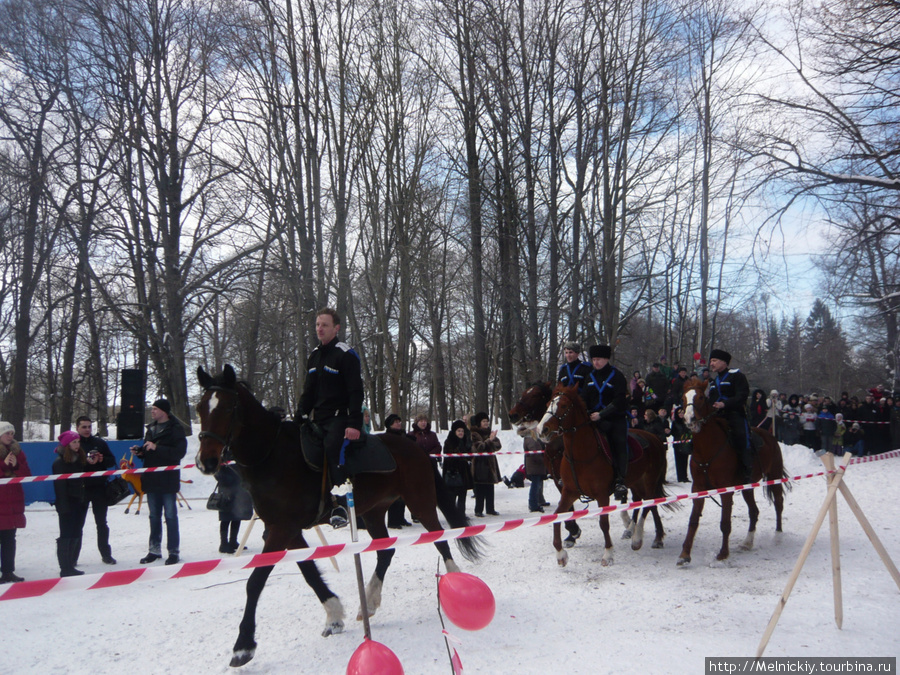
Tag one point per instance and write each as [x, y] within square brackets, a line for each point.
[695, 383]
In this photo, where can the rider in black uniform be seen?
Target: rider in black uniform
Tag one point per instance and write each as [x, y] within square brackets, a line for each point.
[728, 393]
[574, 371]
[605, 392]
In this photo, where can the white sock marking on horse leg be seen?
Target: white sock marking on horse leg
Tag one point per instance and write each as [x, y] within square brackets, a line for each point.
[747, 545]
[628, 523]
[451, 565]
[334, 617]
[607, 558]
[373, 596]
[638, 539]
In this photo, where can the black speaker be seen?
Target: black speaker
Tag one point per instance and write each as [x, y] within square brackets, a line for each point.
[129, 424]
[133, 390]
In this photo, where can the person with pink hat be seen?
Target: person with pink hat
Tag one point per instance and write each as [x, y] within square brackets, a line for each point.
[71, 502]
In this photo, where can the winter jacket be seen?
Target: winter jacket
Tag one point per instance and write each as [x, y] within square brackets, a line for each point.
[732, 389]
[12, 497]
[573, 374]
[70, 493]
[459, 465]
[485, 470]
[605, 391]
[171, 446]
[535, 465]
[426, 439]
[96, 487]
[240, 503]
[333, 386]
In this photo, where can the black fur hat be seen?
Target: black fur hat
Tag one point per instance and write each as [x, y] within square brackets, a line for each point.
[475, 420]
[720, 354]
[600, 351]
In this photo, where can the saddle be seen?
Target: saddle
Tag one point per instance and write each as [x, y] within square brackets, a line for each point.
[366, 455]
[636, 446]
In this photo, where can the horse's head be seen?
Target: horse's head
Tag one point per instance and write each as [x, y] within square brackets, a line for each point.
[218, 409]
[565, 402]
[696, 406]
[531, 406]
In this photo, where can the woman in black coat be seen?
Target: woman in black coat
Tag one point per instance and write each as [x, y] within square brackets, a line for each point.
[238, 507]
[71, 502]
[458, 470]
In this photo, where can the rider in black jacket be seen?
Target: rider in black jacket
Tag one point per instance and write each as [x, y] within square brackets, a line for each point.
[605, 393]
[728, 393]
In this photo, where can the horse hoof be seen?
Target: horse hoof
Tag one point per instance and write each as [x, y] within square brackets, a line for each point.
[626, 534]
[657, 544]
[333, 628]
[606, 562]
[562, 558]
[359, 616]
[241, 657]
[683, 562]
[636, 545]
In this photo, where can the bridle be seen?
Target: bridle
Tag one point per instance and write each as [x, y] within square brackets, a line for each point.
[697, 423]
[227, 441]
[559, 418]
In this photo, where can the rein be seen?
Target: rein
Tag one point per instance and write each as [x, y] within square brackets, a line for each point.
[696, 427]
[567, 453]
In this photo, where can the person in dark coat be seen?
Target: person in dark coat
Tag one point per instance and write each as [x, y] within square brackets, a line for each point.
[164, 445]
[728, 393]
[654, 425]
[13, 464]
[239, 506]
[657, 388]
[759, 410]
[536, 470]
[423, 435]
[396, 514]
[682, 446]
[71, 502]
[458, 470]
[99, 458]
[605, 397]
[485, 470]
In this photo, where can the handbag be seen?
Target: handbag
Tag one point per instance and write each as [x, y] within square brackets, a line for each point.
[454, 479]
[215, 501]
[117, 489]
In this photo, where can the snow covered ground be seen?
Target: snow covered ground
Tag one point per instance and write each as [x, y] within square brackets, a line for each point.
[641, 615]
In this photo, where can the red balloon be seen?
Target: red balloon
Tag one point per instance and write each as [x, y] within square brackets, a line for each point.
[697, 356]
[373, 658]
[466, 600]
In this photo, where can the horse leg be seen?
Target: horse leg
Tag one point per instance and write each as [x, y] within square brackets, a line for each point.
[376, 528]
[607, 558]
[725, 524]
[638, 539]
[334, 610]
[574, 531]
[684, 557]
[245, 645]
[778, 500]
[629, 520]
[660, 532]
[753, 509]
[566, 501]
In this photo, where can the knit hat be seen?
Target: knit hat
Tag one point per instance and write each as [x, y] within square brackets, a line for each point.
[855, 426]
[720, 354]
[572, 347]
[163, 405]
[6, 426]
[475, 420]
[422, 416]
[67, 437]
[600, 351]
[390, 419]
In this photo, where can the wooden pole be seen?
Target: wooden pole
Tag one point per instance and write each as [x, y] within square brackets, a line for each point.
[828, 460]
[870, 533]
[804, 554]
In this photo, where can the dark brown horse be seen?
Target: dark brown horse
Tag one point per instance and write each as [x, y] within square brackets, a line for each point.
[287, 493]
[714, 464]
[526, 414]
[586, 470]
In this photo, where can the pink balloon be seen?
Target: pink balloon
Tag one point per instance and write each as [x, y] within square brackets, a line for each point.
[466, 600]
[373, 658]
[697, 356]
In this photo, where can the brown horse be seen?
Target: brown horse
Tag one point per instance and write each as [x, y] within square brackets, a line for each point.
[586, 470]
[714, 464]
[526, 414]
[287, 493]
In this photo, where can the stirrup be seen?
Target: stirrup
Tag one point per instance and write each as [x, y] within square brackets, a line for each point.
[339, 517]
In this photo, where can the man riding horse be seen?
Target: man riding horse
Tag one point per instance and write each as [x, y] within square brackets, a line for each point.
[605, 393]
[728, 393]
[333, 396]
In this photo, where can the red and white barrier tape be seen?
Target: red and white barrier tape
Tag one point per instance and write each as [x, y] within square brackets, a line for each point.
[32, 589]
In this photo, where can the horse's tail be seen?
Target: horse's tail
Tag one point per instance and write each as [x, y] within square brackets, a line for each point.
[786, 486]
[470, 547]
